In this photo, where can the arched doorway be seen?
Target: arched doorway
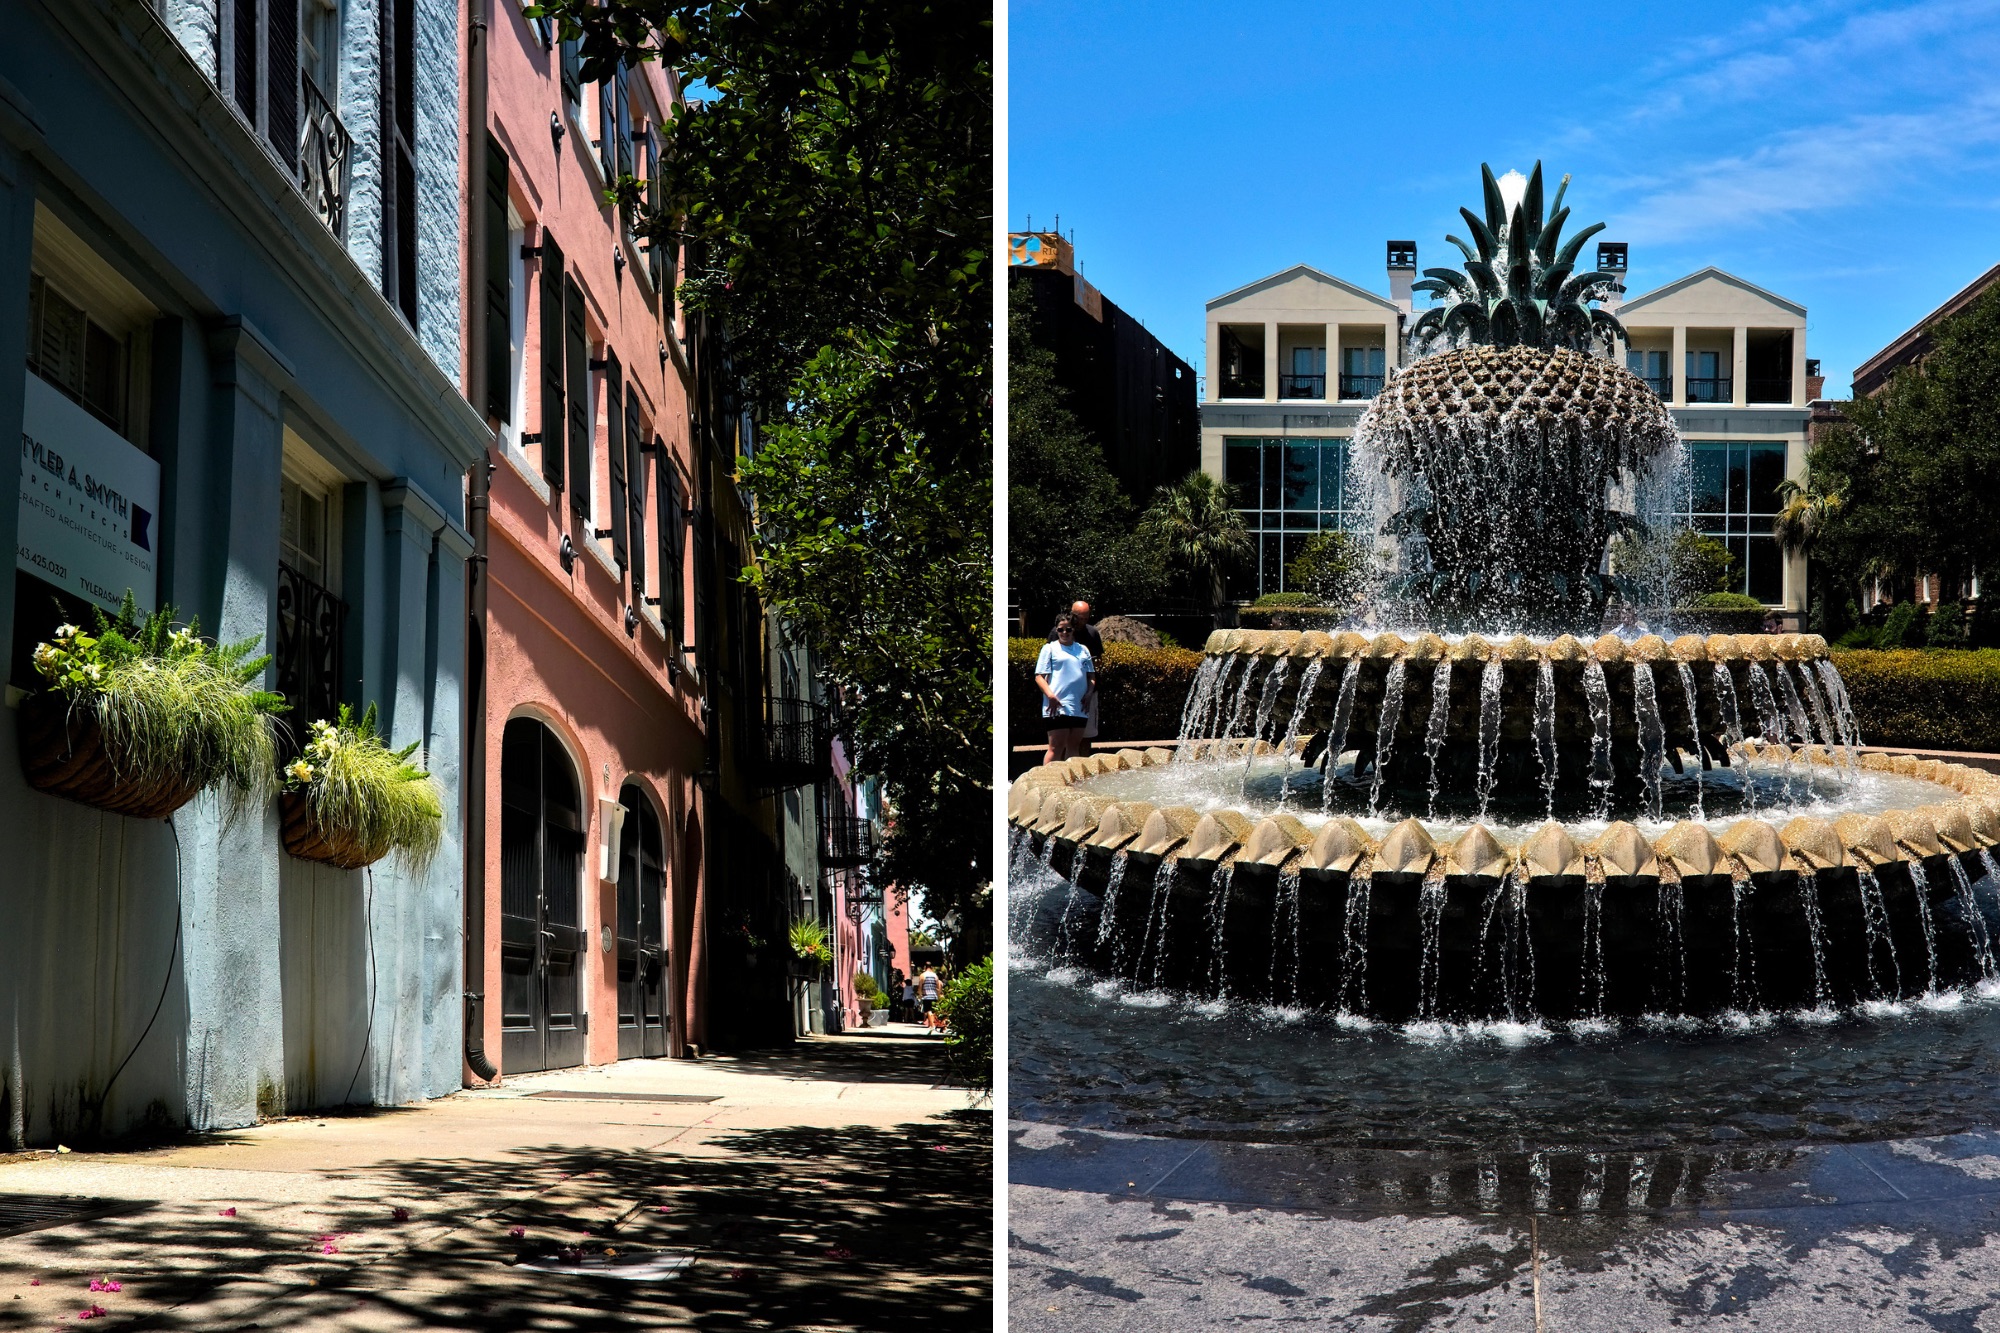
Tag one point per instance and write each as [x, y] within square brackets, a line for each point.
[642, 951]
[541, 934]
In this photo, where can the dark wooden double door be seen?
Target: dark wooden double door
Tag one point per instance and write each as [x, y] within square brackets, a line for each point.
[642, 953]
[541, 875]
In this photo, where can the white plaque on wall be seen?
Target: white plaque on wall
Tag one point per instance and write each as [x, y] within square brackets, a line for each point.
[90, 501]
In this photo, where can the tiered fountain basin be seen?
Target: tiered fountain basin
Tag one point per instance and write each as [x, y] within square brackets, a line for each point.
[1853, 886]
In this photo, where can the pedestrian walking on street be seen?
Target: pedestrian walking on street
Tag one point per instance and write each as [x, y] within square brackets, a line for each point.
[1066, 673]
[909, 1000]
[928, 988]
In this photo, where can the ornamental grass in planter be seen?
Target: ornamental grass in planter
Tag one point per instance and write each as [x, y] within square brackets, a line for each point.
[349, 800]
[143, 714]
[811, 945]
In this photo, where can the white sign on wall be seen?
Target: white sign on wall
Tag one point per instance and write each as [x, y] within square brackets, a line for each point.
[90, 501]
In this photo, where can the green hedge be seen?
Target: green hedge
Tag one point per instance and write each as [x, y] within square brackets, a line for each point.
[1141, 692]
[1943, 699]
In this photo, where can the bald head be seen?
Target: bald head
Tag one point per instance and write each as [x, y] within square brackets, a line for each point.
[1081, 610]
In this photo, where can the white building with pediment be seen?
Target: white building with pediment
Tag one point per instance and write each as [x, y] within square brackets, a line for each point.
[1294, 359]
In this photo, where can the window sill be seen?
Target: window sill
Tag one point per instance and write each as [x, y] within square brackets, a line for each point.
[603, 556]
[524, 467]
[586, 148]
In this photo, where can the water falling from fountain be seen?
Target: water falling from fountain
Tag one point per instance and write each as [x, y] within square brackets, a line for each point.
[1267, 704]
[1385, 729]
[1489, 731]
[1975, 919]
[1920, 881]
[1793, 708]
[1218, 943]
[1156, 921]
[1875, 925]
[1742, 979]
[1843, 707]
[1598, 695]
[1652, 734]
[1343, 713]
[1816, 934]
[1430, 915]
[1354, 948]
[1829, 737]
[1545, 734]
[1064, 944]
[1108, 914]
[1672, 904]
[1769, 720]
[1694, 735]
[1591, 1000]
[1195, 712]
[1285, 936]
[1308, 682]
[1435, 724]
[1239, 714]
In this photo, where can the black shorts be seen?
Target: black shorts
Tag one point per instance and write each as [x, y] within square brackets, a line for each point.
[1064, 722]
[924, 1007]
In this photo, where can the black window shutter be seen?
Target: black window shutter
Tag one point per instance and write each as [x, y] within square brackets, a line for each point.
[670, 545]
[499, 294]
[572, 77]
[245, 51]
[614, 452]
[576, 366]
[281, 79]
[635, 480]
[553, 415]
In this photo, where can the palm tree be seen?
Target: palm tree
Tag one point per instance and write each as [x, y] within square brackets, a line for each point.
[1194, 523]
[1808, 509]
[1518, 289]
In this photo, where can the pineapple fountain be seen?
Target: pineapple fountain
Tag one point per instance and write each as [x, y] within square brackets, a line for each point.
[1502, 813]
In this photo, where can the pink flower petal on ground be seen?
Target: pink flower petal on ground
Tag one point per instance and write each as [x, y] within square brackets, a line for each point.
[664, 1208]
[517, 1232]
[227, 1212]
[839, 1252]
[105, 1284]
[34, 1282]
[94, 1312]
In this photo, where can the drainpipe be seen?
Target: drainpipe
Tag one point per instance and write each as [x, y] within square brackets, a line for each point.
[478, 501]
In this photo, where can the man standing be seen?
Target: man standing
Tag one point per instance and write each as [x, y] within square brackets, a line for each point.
[927, 995]
[1086, 634]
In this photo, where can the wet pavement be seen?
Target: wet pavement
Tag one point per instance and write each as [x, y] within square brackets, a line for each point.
[1115, 1231]
[834, 1184]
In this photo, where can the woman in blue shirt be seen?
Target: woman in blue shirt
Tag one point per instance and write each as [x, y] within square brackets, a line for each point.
[1068, 678]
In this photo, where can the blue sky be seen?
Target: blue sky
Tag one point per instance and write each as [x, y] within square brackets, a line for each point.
[1844, 155]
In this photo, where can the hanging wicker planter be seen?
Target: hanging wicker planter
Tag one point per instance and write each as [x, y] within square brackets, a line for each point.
[310, 840]
[63, 753]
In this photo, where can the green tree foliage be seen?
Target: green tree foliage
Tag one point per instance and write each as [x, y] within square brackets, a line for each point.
[1331, 568]
[1194, 525]
[834, 194]
[967, 1006]
[1071, 530]
[1916, 469]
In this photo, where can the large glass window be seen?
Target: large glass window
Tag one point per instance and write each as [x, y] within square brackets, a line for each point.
[1733, 497]
[1286, 490]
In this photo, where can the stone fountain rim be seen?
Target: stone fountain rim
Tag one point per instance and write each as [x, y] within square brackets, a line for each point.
[1042, 801]
[1430, 647]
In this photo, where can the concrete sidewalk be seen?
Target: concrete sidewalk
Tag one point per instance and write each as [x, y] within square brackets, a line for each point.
[835, 1184]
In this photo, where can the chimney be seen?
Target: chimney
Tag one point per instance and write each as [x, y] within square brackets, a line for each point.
[1613, 257]
[1402, 272]
[1815, 382]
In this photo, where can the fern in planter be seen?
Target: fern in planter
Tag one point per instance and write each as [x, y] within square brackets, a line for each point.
[143, 713]
[350, 800]
[811, 944]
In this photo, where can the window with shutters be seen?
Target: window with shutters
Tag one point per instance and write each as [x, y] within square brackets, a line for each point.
[89, 329]
[399, 159]
[260, 69]
[554, 358]
[670, 530]
[635, 497]
[610, 514]
[516, 420]
[581, 397]
[506, 317]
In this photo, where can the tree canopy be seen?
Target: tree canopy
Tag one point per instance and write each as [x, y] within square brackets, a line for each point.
[833, 191]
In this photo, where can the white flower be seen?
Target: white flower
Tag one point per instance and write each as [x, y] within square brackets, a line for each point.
[65, 631]
[92, 670]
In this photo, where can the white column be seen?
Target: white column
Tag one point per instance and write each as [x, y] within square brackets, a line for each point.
[1270, 362]
[1739, 361]
[1391, 347]
[1214, 367]
[1332, 363]
[1678, 369]
[1799, 367]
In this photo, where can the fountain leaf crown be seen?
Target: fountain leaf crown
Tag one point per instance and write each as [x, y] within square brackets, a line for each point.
[1517, 288]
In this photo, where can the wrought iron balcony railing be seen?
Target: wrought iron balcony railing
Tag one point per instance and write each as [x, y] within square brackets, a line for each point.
[798, 743]
[1301, 386]
[1708, 390]
[1769, 390]
[325, 157]
[1661, 385]
[311, 623]
[1242, 386]
[1360, 386]
[845, 840]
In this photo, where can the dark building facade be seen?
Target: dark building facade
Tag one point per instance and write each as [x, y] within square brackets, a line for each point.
[1127, 387]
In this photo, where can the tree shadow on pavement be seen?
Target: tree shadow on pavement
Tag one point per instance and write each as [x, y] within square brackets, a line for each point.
[918, 1060]
[795, 1228]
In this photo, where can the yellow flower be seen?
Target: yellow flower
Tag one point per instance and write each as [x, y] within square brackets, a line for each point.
[301, 770]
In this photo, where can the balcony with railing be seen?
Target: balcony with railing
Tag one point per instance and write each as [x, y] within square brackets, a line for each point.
[1360, 386]
[311, 624]
[798, 744]
[1713, 389]
[1661, 385]
[1768, 389]
[326, 154]
[845, 840]
[1301, 386]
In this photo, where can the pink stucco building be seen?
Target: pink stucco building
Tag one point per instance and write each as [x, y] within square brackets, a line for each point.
[591, 900]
